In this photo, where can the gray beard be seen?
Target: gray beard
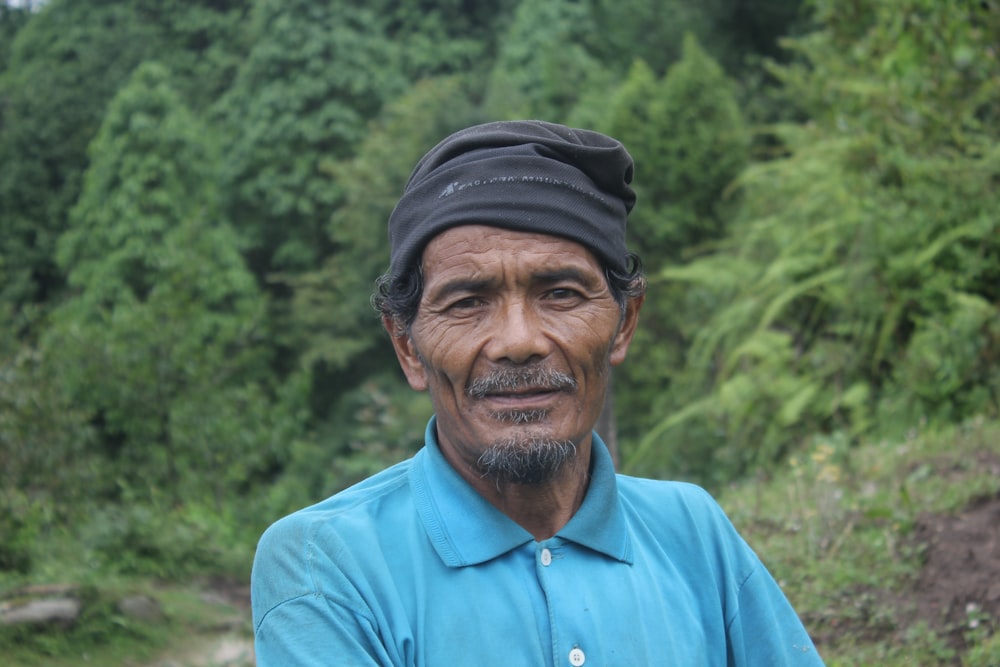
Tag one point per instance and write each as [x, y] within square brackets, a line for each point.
[531, 458]
[526, 460]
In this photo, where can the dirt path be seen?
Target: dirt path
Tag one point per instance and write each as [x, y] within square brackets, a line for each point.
[221, 651]
[227, 644]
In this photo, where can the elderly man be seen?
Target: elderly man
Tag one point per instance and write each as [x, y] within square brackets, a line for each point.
[509, 539]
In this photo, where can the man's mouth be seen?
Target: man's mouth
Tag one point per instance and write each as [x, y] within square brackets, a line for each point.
[520, 384]
[525, 398]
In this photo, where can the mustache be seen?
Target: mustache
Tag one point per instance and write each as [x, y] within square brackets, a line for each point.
[531, 378]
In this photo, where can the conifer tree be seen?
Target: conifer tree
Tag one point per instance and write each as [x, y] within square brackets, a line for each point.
[64, 66]
[689, 142]
[315, 74]
[157, 341]
[543, 68]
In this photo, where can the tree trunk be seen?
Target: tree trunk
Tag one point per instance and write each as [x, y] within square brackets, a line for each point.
[606, 426]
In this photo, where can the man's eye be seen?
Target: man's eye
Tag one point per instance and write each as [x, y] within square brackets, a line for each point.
[466, 303]
[563, 293]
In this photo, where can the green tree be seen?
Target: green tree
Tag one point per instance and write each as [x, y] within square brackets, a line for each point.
[300, 102]
[363, 413]
[64, 65]
[159, 340]
[689, 142]
[634, 30]
[543, 67]
[862, 279]
[12, 19]
[737, 34]
[332, 305]
[444, 37]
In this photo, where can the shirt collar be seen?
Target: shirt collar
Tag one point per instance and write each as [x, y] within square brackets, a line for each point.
[466, 529]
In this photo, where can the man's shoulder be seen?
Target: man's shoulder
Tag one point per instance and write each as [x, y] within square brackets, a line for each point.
[382, 493]
[677, 504]
[687, 520]
[659, 491]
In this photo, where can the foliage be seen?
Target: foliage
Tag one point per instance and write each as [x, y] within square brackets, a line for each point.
[105, 635]
[47, 121]
[12, 19]
[41, 428]
[158, 344]
[860, 284]
[543, 67]
[836, 526]
[689, 142]
[362, 425]
[444, 37]
[332, 306]
[299, 102]
[63, 67]
[148, 540]
[733, 31]
[204, 42]
[374, 425]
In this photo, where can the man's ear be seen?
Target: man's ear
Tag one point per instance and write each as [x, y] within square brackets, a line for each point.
[406, 353]
[630, 320]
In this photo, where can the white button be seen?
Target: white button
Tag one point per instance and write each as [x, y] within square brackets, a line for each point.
[546, 558]
[576, 657]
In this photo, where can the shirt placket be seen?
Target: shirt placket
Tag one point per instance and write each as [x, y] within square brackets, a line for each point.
[552, 565]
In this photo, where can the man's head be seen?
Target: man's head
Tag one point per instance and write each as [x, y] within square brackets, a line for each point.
[511, 291]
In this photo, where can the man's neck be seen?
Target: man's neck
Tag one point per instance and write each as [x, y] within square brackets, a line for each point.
[541, 509]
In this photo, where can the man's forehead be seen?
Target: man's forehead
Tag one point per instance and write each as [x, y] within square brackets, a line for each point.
[474, 245]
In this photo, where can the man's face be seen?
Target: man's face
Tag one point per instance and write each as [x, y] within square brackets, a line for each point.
[514, 339]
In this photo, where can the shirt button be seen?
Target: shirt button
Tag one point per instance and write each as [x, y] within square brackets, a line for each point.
[576, 657]
[547, 559]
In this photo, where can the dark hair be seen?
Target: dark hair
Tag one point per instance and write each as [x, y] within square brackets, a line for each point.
[398, 297]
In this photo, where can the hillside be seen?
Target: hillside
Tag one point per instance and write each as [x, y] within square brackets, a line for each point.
[891, 551]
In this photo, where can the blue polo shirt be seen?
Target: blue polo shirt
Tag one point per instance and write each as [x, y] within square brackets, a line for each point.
[413, 567]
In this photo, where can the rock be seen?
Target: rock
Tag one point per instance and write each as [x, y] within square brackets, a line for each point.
[141, 608]
[233, 651]
[60, 611]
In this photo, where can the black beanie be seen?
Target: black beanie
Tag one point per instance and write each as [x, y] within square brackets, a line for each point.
[528, 176]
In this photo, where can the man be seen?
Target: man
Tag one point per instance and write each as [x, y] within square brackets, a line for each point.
[509, 539]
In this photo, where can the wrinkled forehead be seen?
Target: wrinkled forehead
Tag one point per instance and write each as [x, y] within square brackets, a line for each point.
[491, 256]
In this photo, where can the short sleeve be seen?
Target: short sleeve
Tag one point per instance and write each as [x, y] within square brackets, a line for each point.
[298, 621]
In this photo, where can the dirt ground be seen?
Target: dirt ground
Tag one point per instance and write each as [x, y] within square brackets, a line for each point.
[958, 590]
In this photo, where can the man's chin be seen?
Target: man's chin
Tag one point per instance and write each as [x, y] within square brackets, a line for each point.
[528, 458]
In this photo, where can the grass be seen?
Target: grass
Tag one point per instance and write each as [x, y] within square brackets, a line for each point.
[104, 636]
[835, 526]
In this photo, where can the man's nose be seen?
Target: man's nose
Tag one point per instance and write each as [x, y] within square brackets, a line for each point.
[518, 334]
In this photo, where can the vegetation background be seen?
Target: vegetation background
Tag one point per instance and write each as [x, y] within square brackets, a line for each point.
[193, 196]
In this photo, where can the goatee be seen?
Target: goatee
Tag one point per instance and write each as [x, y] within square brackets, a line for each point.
[528, 460]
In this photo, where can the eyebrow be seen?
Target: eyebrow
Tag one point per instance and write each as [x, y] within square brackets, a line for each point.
[546, 277]
[569, 273]
[457, 286]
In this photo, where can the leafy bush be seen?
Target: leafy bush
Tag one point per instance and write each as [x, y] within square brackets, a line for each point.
[857, 288]
[18, 529]
[148, 540]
